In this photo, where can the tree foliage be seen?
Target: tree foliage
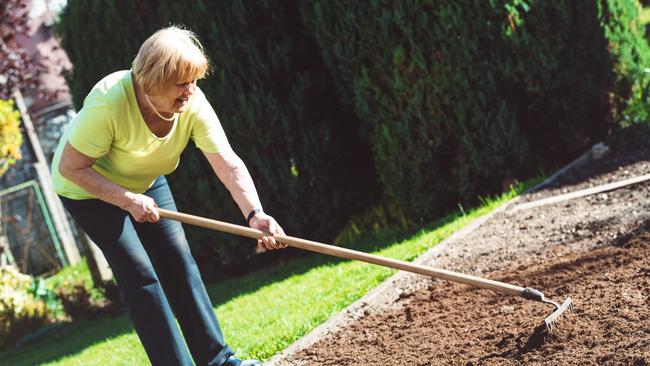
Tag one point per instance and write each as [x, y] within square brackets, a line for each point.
[17, 68]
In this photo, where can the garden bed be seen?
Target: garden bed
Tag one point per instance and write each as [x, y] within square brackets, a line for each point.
[593, 248]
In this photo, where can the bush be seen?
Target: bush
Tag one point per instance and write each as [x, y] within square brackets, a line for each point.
[81, 302]
[442, 102]
[20, 311]
[276, 103]
[10, 136]
[597, 55]
[77, 300]
[459, 97]
[73, 287]
[40, 290]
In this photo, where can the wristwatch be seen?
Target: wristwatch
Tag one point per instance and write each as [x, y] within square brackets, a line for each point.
[254, 212]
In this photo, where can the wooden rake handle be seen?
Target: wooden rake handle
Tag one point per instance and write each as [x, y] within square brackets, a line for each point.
[344, 253]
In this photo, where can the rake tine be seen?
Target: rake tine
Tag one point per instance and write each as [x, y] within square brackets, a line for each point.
[560, 310]
[567, 305]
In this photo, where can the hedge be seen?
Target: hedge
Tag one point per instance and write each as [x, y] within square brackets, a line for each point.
[459, 98]
[276, 103]
[414, 106]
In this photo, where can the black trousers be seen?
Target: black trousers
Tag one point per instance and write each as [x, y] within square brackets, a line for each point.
[158, 278]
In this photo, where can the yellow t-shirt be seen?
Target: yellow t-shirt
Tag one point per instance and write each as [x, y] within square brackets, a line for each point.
[110, 127]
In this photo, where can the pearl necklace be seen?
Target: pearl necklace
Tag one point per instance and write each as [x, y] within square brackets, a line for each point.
[156, 112]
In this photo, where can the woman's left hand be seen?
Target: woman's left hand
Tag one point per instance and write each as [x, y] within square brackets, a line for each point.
[270, 227]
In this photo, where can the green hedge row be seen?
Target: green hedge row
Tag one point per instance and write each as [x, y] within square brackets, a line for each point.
[276, 103]
[429, 103]
[459, 97]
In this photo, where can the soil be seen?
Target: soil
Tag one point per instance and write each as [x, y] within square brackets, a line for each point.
[594, 249]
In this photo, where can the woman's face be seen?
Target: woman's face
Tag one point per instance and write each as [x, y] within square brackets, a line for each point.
[174, 96]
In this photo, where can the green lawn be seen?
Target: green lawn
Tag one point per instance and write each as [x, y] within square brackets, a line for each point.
[262, 313]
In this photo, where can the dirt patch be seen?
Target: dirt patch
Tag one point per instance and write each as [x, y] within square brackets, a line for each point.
[594, 249]
[444, 324]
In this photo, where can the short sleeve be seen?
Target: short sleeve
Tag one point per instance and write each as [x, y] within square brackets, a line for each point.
[91, 132]
[207, 133]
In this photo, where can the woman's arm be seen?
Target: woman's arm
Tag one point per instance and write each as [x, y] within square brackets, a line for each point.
[233, 173]
[78, 168]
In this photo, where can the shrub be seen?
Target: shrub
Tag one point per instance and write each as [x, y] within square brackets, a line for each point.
[275, 101]
[459, 97]
[20, 311]
[442, 102]
[76, 300]
[73, 287]
[10, 136]
[41, 291]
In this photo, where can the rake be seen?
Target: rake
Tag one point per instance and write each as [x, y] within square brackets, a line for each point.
[525, 292]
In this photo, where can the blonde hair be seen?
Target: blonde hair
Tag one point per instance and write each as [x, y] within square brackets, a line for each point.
[171, 54]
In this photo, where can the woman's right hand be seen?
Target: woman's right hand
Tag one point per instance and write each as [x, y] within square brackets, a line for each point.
[141, 207]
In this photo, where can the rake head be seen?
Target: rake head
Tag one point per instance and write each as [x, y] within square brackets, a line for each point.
[552, 319]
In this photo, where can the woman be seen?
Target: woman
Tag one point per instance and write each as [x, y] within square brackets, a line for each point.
[109, 171]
